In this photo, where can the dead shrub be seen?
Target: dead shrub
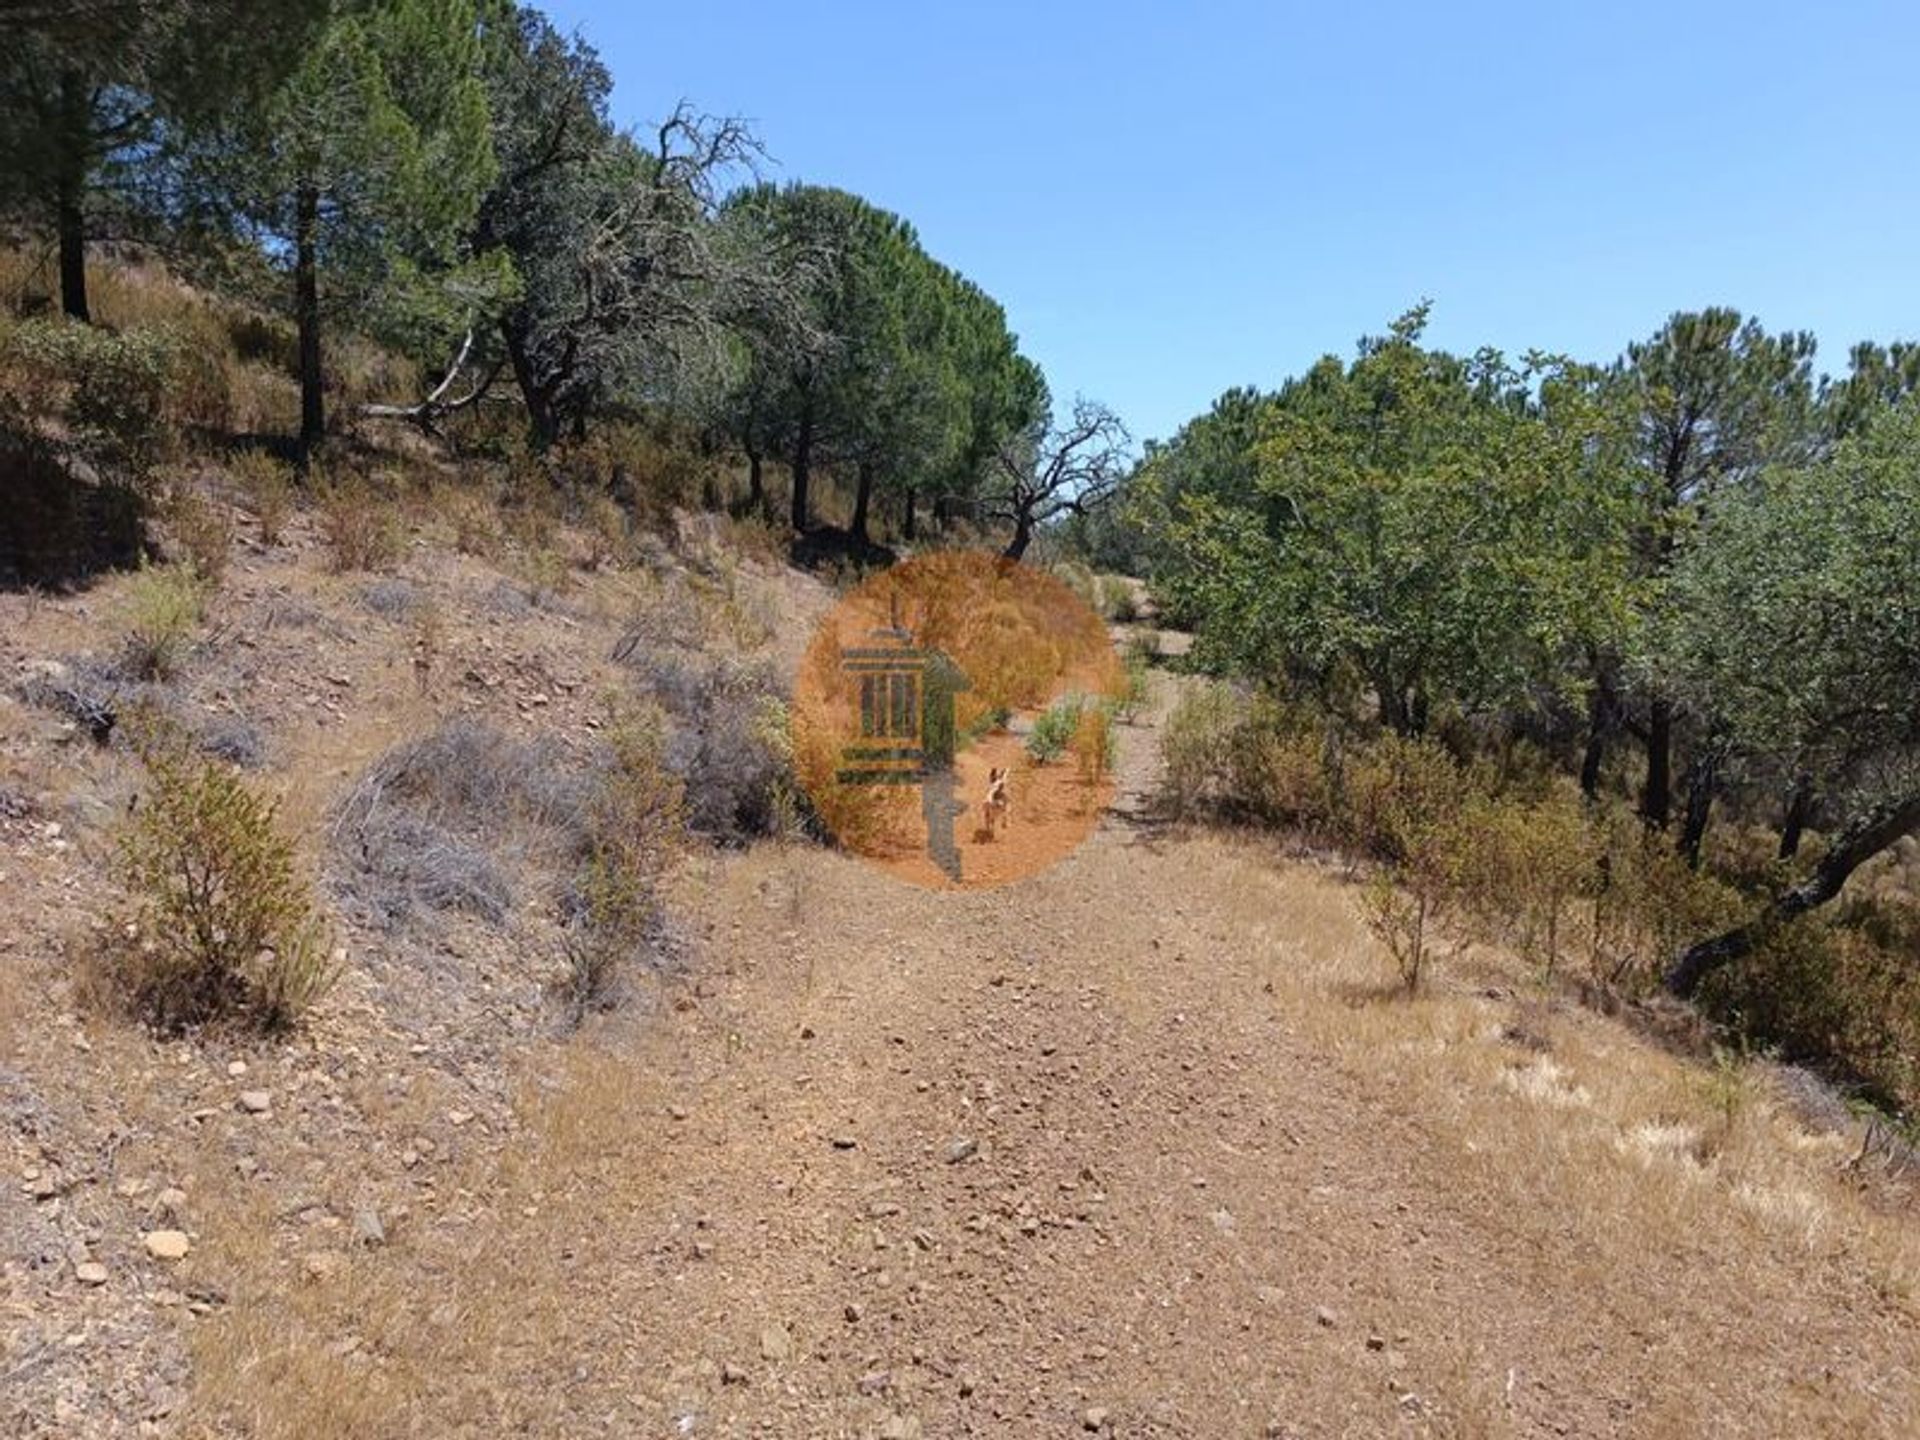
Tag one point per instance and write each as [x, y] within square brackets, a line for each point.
[392, 599]
[267, 484]
[202, 530]
[634, 823]
[226, 928]
[476, 522]
[360, 526]
[442, 822]
[727, 739]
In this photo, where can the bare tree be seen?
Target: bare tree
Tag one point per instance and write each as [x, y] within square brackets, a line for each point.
[1060, 469]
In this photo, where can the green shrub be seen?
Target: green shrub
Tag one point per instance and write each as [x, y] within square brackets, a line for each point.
[1527, 868]
[1196, 746]
[1118, 599]
[160, 611]
[226, 928]
[1054, 729]
[114, 390]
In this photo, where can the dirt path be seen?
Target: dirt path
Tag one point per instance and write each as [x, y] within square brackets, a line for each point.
[1129, 1149]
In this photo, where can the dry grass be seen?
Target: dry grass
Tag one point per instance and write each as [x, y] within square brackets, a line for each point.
[360, 525]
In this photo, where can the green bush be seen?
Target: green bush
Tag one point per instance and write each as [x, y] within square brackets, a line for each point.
[114, 390]
[160, 611]
[1196, 745]
[226, 929]
[1054, 729]
[1825, 992]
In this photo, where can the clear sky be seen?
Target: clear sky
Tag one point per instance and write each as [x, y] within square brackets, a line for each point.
[1172, 199]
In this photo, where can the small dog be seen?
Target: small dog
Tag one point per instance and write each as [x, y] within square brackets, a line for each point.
[998, 808]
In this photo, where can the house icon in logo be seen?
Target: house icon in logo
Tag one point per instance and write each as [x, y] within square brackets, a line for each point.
[908, 733]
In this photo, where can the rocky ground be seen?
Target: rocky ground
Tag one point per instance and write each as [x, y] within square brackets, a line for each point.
[1139, 1147]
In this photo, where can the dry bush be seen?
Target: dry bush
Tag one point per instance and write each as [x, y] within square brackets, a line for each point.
[1649, 903]
[226, 928]
[442, 822]
[651, 475]
[1403, 804]
[159, 612]
[360, 526]
[258, 338]
[635, 821]
[392, 598]
[267, 484]
[361, 372]
[202, 530]
[1196, 745]
[264, 401]
[1078, 578]
[475, 520]
[233, 739]
[727, 738]
[607, 531]
[756, 538]
[1282, 768]
[1094, 743]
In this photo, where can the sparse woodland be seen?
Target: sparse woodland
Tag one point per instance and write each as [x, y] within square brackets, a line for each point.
[416, 491]
[1619, 657]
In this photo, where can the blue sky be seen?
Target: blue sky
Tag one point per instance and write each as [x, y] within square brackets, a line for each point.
[1173, 199]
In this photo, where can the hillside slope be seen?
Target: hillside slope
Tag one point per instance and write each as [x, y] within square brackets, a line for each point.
[1141, 1146]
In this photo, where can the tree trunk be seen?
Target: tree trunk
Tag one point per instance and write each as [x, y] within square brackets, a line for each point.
[1022, 537]
[1702, 776]
[862, 499]
[1794, 824]
[1396, 712]
[306, 314]
[907, 527]
[540, 412]
[1859, 843]
[802, 469]
[69, 201]
[756, 482]
[1656, 801]
[1599, 724]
